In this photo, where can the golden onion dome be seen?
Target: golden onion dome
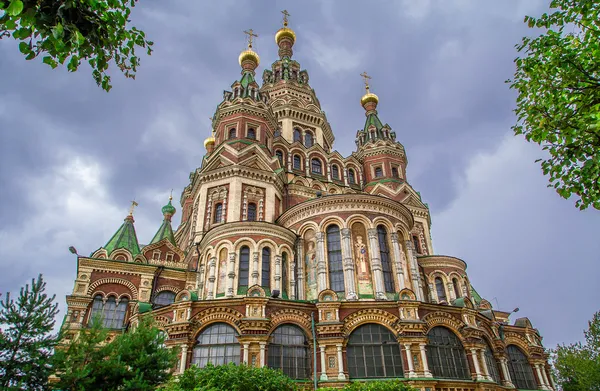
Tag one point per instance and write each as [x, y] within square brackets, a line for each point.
[369, 97]
[249, 55]
[209, 140]
[285, 32]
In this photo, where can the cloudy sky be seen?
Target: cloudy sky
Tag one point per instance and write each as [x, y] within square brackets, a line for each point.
[72, 156]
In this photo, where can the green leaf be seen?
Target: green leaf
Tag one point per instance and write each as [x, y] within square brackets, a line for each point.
[57, 31]
[50, 61]
[15, 7]
[24, 47]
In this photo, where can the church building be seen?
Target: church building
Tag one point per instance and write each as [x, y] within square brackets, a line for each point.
[288, 251]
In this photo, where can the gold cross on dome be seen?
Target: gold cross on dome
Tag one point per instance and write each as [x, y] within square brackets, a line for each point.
[251, 35]
[285, 17]
[367, 78]
[132, 207]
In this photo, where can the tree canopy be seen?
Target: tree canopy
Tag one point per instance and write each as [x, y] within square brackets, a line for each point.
[72, 31]
[558, 105]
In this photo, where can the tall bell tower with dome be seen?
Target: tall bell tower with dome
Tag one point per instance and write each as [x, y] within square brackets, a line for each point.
[277, 228]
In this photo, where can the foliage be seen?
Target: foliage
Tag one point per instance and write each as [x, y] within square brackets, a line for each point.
[578, 365]
[26, 341]
[73, 31]
[136, 360]
[558, 106]
[382, 385]
[231, 377]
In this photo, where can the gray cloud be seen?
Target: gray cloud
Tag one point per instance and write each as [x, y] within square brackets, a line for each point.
[72, 156]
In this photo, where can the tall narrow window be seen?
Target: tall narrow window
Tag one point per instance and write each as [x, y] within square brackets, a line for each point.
[416, 244]
[335, 172]
[456, 287]
[297, 135]
[218, 345]
[244, 266]
[395, 172]
[334, 259]
[373, 352]
[284, 275]
[251, 211]
[297, 162]
[491, 363]
[308, 140]
[232, 133]
[288, 351]
[279, 156]
[440, 290]
[266, 268]
[218, 213]
[351, 176]
[251, 133]
[378, 172]
[384, 251]
[520, 370]
[446, 355]
[316, 166]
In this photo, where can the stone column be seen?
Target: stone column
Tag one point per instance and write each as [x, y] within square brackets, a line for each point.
[340, 358]
[409, 360]
[329, 172]
[476, 364]
[545, 376]
[541, 384]
[505, 373]
[289, 161]
[434, 295]
[211, 278]
[414, 271]
[486, 372]
[307, 166]
[399, 259]
[292, 292]
[255, 268]
[263, 345]
[376, 264]
[201, 281]
[323, 367]
[450, 288]
[426, 371]
[231, 274]
[348, 263]
[278, 273]
[345, 175]
[321, 264]
[245, 357]
[183, 362]
[300, 268]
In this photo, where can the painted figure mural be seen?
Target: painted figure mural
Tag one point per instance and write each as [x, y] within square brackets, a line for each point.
[222, 271]
[361, 258]
[311, 265]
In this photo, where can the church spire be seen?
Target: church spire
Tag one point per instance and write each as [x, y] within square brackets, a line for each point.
[374, 129]
[285, 38]
[125, 237]
[249, 59]
[166, 231]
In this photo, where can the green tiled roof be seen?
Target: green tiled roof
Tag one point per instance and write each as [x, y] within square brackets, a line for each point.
[165, 231]
[125, 237]
[372, 119]
[475, 295]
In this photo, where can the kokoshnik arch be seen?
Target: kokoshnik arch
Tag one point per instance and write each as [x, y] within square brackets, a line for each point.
[276, 226]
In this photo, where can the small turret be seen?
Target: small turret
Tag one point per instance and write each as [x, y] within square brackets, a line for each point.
[166, 231]
[125, 237]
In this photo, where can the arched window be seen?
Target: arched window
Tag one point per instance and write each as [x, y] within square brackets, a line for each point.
[386, 266]
[297, 135]
[446, 355]
[251, 133]
[218, 345]
[297, 162]
[334, 259]
[373, 351]
[456, 287]
[492, 364]
[251, 211]
[378, 172]
[316, 166]
[110, 314]
[520, 370]
[218, 213]
[335, 172]
[284, 275]
[244, 266]
[232, 133]
[351, 177]
[308, 140]
[288, 351]
[440, 290]
[279, 156]
[164, 298]
[266, 268]
[416, 244]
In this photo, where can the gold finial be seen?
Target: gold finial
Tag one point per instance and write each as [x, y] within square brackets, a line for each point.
[171, 195]
[132, 207]
[251, 36]
[285, 17]
[367, 78]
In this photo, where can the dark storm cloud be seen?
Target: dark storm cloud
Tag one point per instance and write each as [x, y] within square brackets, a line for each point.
[72, 156]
